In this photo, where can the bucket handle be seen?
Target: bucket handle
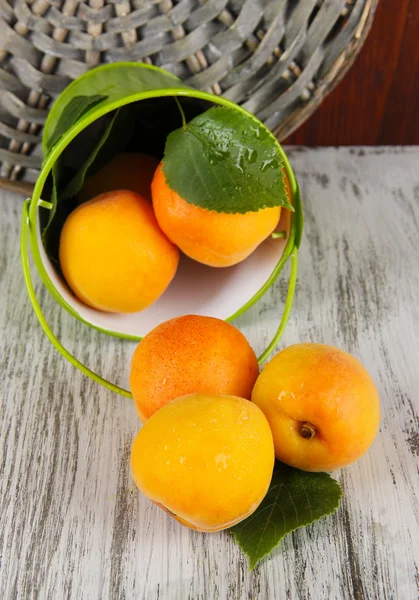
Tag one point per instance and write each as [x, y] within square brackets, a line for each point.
[24, 238]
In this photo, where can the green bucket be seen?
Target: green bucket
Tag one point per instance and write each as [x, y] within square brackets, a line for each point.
[222, 293]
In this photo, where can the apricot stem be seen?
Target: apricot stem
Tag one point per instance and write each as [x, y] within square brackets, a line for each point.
[307, 431]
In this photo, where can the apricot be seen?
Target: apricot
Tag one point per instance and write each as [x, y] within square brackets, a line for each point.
[321, 404]
[127, 171]
[191, 354]
[206, 459]
[215, 239]
[113, 254]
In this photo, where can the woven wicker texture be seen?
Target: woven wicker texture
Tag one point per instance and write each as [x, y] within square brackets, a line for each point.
[277, 58]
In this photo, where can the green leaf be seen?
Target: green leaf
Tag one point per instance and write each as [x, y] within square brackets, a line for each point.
[225, 160]
[77, 181]
[295, 498]
[72, 112]
[117, 140]
[113, 140]
[106, 84]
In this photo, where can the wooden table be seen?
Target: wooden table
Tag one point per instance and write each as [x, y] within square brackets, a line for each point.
[72, 522]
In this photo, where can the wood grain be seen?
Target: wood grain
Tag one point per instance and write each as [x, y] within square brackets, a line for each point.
[72, 524]
[377, 101]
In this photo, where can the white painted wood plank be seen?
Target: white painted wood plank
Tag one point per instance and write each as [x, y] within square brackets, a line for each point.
[72, 524]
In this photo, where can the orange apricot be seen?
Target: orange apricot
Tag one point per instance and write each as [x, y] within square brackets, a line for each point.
[127, 171]
[321, 404]
[191, 354]
[113, 254]
[205, 459]
[213, 238]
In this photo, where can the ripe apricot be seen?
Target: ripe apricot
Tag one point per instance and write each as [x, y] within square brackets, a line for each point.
[321, 404]
[127, 171]
[206, 459]
[215, 239]
[113, 254]
[191, 354]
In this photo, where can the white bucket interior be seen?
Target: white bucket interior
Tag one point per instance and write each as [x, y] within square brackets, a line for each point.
[196, 289]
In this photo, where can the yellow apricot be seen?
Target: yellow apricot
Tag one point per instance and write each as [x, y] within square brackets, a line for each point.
[321, 404]
[215, 239]
[206, 459]
[113, 254]
[191, 354]
[127, 171]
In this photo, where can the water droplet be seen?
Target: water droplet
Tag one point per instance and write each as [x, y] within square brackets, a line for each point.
[254, 131]
[284, 396]
[240, 160]
[270, 163]
[221, 461]
[243, 416]
[251, 155]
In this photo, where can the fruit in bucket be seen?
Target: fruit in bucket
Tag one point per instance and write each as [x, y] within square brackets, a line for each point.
[113, 254]
[321, 404]
[191, 354]
[128, 171]
[214, 238]
[206, 459]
